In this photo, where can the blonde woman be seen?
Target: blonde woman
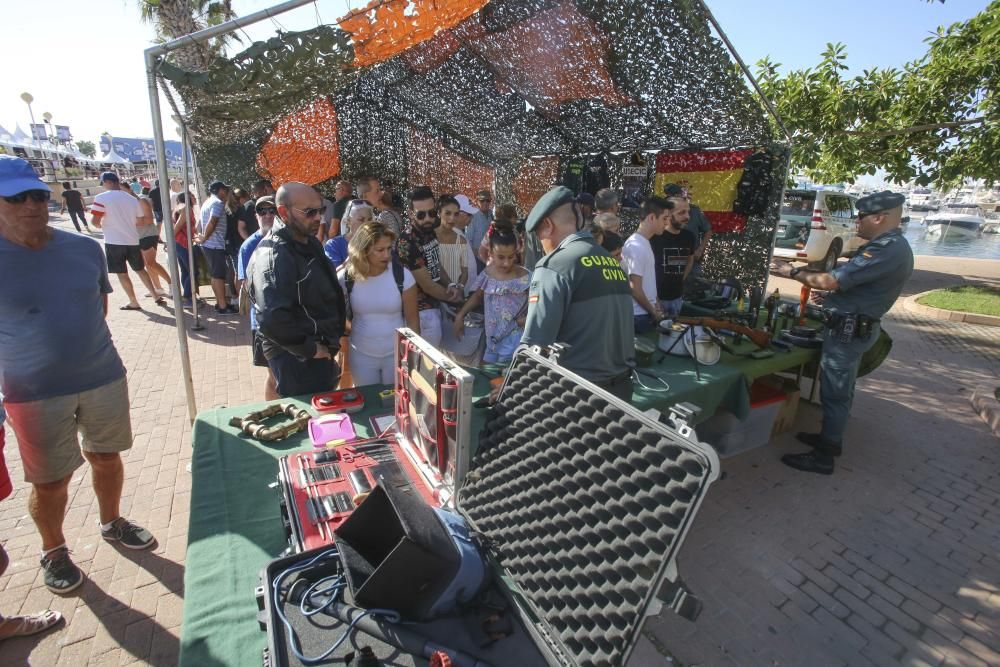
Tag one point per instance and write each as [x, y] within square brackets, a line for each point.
[381, 296]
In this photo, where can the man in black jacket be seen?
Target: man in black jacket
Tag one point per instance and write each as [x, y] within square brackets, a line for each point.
[296, 296]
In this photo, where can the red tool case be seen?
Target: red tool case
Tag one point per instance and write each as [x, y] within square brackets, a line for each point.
[319, 496]
[429, 451]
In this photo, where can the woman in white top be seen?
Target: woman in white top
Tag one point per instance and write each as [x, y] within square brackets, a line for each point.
[381, 296]
[453, 247]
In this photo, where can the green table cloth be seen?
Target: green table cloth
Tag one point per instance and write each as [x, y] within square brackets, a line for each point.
[235, 526]
[726, 384]
[235, 529]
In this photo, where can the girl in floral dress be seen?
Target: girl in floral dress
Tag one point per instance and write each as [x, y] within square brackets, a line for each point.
[503, 286]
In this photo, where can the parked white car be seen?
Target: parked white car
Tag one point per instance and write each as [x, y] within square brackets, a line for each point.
[817, 227]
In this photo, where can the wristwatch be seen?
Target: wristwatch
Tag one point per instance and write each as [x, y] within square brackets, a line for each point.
[795, 271]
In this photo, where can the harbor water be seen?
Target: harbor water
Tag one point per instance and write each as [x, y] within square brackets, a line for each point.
[986, 246]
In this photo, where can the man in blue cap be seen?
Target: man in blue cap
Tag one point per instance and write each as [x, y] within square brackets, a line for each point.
[579, 296]
[858, 294]
[60, 374]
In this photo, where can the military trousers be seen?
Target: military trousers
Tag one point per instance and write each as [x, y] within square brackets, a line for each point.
[838, 370]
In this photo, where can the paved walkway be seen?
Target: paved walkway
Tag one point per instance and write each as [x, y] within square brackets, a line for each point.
[891, 560]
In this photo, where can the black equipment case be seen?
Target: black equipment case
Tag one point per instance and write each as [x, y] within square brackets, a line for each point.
[583, 503]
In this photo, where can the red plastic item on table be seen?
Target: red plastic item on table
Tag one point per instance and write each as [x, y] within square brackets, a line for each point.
[345, 400]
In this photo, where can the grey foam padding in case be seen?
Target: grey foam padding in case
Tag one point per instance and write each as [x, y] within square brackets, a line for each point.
[587, 501]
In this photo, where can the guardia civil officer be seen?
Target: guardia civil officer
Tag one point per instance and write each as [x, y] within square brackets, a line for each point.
[859, 293]
[579, 296]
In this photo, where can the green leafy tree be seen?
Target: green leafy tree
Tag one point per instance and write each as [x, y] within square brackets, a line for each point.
[936, 120]
[87, 148]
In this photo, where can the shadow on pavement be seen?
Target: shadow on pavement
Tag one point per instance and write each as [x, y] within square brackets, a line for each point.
[169, 573]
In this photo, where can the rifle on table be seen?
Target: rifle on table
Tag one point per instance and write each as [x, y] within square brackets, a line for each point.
[761, 339]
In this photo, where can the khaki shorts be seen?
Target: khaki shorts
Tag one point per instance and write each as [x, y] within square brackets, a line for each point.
[47, 430]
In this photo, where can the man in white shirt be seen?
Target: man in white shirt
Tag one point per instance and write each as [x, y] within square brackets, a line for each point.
[639, 263]
[118, 214]
[212, 233]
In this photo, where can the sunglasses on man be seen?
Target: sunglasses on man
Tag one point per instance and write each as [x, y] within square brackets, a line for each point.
[420, 215]
[311, 212]
[267, 211]
[37, 196]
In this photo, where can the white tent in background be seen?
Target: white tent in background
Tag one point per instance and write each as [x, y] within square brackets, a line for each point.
[113, 158]
[21, 137]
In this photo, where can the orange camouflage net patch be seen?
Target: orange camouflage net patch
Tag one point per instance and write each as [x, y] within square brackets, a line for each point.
[385, 28]
[560, 56]
[302, 147]
[533, 180]
[442, 169]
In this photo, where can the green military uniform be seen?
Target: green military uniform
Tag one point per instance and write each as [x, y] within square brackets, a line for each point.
[580, 296]
[868, 285]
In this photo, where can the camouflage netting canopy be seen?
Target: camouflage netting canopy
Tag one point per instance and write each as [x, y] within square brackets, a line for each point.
[511, 94]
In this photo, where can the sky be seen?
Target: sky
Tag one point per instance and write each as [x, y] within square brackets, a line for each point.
[63, 51]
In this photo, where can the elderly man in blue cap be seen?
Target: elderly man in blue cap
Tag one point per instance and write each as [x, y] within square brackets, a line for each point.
[858, 294]
[579, 296]
[60, 374]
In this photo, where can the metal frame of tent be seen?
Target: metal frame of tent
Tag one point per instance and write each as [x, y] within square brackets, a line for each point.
[583, 113]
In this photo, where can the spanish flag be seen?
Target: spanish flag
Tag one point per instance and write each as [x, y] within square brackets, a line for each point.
[710, 177]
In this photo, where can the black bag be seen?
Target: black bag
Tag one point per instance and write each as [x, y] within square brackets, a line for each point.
[754, 188]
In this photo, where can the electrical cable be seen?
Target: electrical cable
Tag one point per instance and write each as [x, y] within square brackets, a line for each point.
[635, 376]
[338, 585]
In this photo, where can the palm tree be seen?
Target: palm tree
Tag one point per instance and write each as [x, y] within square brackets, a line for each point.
[176, 18]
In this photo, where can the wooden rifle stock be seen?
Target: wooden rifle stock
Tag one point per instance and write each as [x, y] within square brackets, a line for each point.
[761, 339]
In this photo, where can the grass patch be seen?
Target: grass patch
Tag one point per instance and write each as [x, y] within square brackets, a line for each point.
[978, 299]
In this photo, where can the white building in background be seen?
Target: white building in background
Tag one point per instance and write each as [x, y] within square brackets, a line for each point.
[52, 161]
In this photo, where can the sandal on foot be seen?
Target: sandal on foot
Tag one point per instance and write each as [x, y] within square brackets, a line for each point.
[130, 307]
[32, 624]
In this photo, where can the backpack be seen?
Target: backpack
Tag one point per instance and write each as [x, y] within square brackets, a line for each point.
[397, 274]
[754, 189]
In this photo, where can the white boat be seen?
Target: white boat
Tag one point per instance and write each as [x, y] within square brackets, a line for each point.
[923, 199]
[957, 219]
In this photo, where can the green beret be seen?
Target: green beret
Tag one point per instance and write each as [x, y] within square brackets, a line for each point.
[880, 201]
[550, 201]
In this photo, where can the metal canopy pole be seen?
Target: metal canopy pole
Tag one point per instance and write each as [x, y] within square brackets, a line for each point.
[153, 55]
[188, 204]
[175, 283]
[232, 25]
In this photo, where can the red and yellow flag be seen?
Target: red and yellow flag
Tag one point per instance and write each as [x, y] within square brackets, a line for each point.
[710, 177]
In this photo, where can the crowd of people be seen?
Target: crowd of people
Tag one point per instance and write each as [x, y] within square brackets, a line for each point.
[327, 283]
[429, 263]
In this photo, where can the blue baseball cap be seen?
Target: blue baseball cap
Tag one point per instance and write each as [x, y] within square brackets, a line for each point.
[109, 176]
[17, 176]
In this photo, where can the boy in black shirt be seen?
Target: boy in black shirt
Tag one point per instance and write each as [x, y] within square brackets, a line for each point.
[73, 200]
[674, 252]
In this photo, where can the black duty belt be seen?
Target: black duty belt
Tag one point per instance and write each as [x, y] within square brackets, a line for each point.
[848, 326]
